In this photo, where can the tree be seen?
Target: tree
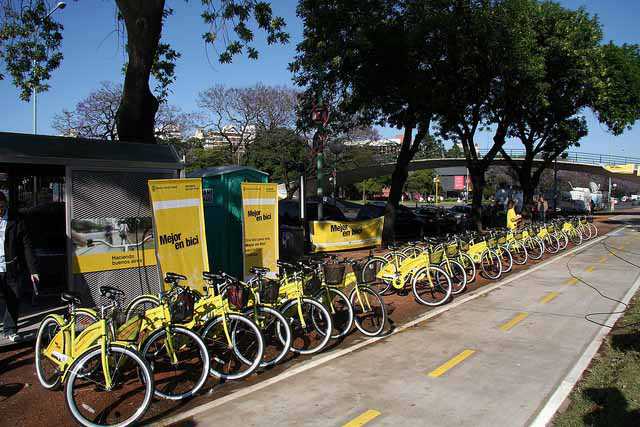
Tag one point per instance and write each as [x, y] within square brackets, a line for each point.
[30, 48]
[487, 68]
[237, 114]
[281, 153]
[455, 152]
[370, 60]
[420, 181]
[96, 116]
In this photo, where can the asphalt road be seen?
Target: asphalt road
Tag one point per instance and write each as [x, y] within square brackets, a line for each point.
[493, 361]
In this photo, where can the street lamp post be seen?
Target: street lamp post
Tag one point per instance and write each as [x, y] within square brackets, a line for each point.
[60, 5]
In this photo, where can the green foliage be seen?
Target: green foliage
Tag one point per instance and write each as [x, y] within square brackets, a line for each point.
[455, 152]
[29, 45]
[279, 152]
[373, 186]
[618, 105]
[221, 15]
[421, 181]
[202, 157]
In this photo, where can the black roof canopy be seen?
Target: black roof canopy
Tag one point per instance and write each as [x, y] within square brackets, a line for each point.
[58, 150]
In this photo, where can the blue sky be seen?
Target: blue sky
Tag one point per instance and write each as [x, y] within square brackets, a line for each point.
[93, 54]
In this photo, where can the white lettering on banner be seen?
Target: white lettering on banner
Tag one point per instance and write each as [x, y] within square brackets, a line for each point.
[373, 240]
[268, 202]
[174, 204]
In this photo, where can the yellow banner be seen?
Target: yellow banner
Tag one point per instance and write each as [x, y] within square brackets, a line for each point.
[260, 225]
[329, 236]
[102, 244]
[626, 169]
[179, 228]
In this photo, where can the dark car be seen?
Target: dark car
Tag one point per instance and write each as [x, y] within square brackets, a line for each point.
[408, 225]
[437, 220]
[462, 214]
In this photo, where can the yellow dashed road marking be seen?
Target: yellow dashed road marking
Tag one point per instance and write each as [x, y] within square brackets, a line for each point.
[590, 269]
[363, 418]
[603, 258]
[549, 297]
[513, 322]
[571, 281]
[451, 363]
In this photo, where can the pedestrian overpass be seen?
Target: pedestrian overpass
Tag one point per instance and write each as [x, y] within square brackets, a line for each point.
[609, 166]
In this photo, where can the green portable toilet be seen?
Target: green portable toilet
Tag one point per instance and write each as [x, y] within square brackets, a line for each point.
[222, 198]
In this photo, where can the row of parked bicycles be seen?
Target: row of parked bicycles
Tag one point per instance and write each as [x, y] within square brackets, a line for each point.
[113, 360]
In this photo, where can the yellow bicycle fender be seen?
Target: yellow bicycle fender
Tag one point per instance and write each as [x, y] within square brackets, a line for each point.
[58, 342]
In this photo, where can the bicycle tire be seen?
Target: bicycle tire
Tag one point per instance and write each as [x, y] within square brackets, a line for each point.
[342, 321]
[364, 309]
[40, 361]
[269, 335]
[156, 366]
[518, 252]
[140, 304]
[535, 250]
[575, 237]
[457, 274]
[372, 267]
[490, 265]
[469, 266]
[506, 259]
[438, 274]
[297, 328]
[142, 372]
[212, 337]
[551, 244]
[594, 230]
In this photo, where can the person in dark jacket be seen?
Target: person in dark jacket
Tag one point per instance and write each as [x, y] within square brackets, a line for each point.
[15, 251]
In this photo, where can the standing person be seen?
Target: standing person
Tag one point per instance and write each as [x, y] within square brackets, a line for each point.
[513, 219]
[123, 230]
[15, 246]
[543, 206]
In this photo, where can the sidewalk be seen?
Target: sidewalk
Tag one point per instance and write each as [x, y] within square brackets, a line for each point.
[493, 361]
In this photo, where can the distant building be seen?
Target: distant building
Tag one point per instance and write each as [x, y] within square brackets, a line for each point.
[229, 134]
[381, 147]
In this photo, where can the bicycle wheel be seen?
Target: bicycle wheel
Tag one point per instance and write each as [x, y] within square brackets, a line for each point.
[369, 312]
[47, 371]
[469, 266]
[518, 252]
[431, 286]
[308, 335]
[575, 237]
[179, 362]
[141, 304]
[337, 303]
[563, 240]
[398, 255]
[490, 265]
[370, 271]
[551, 244]
[409, 251]
[276, 334]
[594, 230]
[457, 274]
[535, 250]
[92, 403]
[228, 358]
[506, 259]
[585, 232]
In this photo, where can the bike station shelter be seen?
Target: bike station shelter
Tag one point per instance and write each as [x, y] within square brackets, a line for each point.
[82, 198]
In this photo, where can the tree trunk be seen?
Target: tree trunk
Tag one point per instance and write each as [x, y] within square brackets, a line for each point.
[138, 106]
[398, 179]
[477, 181]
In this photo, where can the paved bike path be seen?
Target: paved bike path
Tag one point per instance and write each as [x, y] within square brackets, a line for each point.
[514, 346]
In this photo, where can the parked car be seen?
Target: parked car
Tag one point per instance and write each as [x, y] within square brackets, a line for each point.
[462, 214]
[408, 225]
[437, 220]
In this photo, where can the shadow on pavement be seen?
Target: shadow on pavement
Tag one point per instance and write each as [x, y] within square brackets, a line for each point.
[8, 390]
[611, 409]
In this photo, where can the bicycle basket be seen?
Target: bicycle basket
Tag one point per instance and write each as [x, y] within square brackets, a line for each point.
[366, 275]
[311, 285]
[334, 274]
[269, 291]
[436, 257]
[518, 235]
[181, 307]
[502, 239]
[237, 295]
[452, 250]
[550, 229]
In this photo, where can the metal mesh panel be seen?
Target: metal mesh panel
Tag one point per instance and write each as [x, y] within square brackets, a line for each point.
[132, 281]
[111, 194]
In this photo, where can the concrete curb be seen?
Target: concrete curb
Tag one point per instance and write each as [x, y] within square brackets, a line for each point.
[322, 359]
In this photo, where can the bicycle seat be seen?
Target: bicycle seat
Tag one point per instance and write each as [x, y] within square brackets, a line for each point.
[68, 296]
[284, 264]
[260, 271]
[215, 277]
[110, 292]
[170, 277]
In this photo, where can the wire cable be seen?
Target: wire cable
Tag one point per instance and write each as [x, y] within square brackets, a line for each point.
[581, 280]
